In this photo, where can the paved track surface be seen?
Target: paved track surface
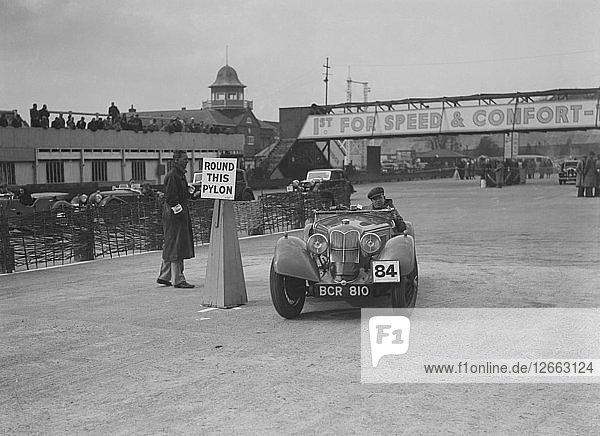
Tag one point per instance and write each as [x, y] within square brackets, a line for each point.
[100, 348]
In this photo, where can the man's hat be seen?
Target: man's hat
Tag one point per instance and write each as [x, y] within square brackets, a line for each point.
[378, 190]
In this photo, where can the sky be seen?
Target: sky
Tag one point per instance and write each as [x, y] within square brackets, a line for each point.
[163, 55]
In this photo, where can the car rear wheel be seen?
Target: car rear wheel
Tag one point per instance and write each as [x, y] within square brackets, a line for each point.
[287, 293]
[404, 294]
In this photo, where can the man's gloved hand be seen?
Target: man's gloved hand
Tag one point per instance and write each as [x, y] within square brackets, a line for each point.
[400, 225]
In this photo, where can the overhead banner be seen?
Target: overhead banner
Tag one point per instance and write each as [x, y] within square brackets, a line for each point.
[543, 115]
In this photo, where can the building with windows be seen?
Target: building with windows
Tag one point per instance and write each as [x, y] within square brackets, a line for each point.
[227, 110]
[36, 156]
[225, 126]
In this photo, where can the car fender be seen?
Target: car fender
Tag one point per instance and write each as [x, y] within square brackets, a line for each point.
[292, 259]
[61, 204]
[401, 248]
[111, 199]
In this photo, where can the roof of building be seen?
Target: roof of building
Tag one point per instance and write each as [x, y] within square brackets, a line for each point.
[227, 76]
[273, 125]
[208, 116]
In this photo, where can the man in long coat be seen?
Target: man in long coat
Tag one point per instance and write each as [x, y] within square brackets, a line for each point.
[177, 225]
[586, 170]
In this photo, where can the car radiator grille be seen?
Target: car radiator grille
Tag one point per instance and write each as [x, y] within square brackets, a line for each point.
[344, 246]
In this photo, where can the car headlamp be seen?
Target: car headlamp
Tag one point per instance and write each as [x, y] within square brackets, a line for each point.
[83, 198]
[317, 244]
[370, 243]
[98, 198]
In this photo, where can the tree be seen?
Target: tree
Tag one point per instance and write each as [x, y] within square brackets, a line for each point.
[488, 147]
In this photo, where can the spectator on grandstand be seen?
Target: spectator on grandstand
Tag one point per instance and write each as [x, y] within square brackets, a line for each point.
[81, 123]
[136, 122]
[44, 112]
[55, 123]
[101, 125]
[131, 109]
[113, 112]
[93, 124]
[153, 126]
[17, 121]
[61, 120]
[34, 116]
[44, 122]
[70, 121]
[3, 121]
[174, 126]
[125, 122]
[114, 124]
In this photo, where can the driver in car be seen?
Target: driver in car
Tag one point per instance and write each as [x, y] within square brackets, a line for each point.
[378, 201]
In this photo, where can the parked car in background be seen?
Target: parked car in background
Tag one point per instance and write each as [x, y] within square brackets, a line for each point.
[349, 254]
[567, 172]
[388, 168]
[42, 201]
[243, 191]
[321, 179]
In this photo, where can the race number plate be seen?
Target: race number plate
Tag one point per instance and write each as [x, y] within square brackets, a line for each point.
[342, 291]
[385, 271]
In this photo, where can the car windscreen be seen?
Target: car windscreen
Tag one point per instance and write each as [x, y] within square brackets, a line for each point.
[318, 175]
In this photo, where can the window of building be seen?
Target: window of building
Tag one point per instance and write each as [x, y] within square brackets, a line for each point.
[250, 140]
[99, 171]
[232, 96]
[7, 173]
[55, 171]
[138, 169]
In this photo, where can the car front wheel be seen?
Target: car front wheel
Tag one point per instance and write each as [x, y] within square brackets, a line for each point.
[404, 294]
[287, 293]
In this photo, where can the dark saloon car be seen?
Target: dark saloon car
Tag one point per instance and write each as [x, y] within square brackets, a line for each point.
[568, 172]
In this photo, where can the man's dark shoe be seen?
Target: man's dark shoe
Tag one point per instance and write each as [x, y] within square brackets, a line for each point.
[184, 285]
[163, 282]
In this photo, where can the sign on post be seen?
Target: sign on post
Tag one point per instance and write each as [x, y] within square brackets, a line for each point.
[511, 145]
[218, 178]
[224, 285]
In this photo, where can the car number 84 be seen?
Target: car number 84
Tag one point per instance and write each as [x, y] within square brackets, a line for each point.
[386, 271]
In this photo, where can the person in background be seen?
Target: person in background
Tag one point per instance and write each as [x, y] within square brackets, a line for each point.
[25, 197]
[586, 169]
[44, 112]
[177, 224]
[3, 121]
[17, 121]
[113, 112]
[70, 121]
[34, 116]
[81, 123]
[378, 201]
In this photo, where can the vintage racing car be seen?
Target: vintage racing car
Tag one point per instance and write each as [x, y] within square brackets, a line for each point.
[349, 254]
